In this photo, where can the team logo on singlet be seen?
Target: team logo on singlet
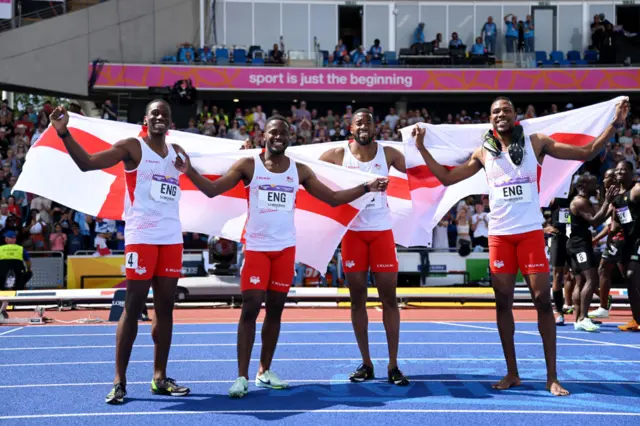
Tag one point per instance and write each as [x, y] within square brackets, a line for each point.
[275, 197]
[377, 166]
[165, 189]
[289, 179]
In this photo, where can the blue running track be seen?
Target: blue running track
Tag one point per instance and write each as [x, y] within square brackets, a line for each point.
[59, 375]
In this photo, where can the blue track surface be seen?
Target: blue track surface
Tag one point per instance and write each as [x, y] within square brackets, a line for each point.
[59, 375]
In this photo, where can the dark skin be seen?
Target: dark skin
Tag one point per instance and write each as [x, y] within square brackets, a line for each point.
[503, 119]
[365, 149]
[561, 278]
[276, 136]
[605, 268]
[587, 281]
[625, 176]
[128, 151]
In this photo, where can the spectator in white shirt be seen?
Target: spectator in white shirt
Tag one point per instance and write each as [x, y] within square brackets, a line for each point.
[259, 117]
[480, 226]
[392, 118]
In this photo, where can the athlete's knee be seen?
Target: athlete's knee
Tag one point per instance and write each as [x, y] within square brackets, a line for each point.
[250, 309]
[273, 310]
[542, 302]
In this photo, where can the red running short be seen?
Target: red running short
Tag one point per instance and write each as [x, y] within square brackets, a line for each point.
[268, 270]
[369, 250]
[145, 261]
[508, 253]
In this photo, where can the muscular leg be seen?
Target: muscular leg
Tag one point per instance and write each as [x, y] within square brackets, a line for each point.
[586, 295]
[387, 282]
[359, 318]
[633, 287]
[137, 291]
[577, 291]
[604, 273]
[164, 291]
[504, 287]
[251, 304]
[539, 288]
[271, 327]
[569, 284]
[558, 299]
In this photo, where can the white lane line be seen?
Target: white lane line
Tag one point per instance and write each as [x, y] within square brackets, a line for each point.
[206, 345]
[369, 382]
[321, 411]
[4, 333]
[206, 333]
[535, 333]
[185, 361]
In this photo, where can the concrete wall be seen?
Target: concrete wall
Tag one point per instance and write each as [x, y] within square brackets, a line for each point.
[54, 54]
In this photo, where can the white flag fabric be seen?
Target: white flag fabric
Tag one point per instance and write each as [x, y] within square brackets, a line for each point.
[452, 145]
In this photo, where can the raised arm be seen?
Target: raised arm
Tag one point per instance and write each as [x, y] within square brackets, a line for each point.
[580, 207]
[120, 151]
[544, 145]
[312, 184]
[236, 173]
[445, 176]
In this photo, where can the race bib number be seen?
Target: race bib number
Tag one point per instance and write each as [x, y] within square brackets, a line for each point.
[165, 189]
[131, 260]
[513, 193]
[375, 202]
[613, 250]
[563, 216]
[582, 257]
[275, 197]
[624, 215]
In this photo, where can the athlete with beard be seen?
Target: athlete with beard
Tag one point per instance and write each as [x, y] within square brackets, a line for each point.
[611, 255]
[627, 206]
[580, 246]
[152, 236]
[558, 257]
[369, 245]
[272, 180]
[516, 240]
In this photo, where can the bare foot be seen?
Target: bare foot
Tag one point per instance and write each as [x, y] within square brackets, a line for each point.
[556, 388]
[507, 382]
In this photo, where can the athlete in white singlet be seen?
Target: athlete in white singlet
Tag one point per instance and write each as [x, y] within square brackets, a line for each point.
[152, 236]
[516, 239]
[272, 180]
[369, 245]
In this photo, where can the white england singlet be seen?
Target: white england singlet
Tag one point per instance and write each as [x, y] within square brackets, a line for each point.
[377, 215]
[272, 200]
[513, 193]
[151, 199]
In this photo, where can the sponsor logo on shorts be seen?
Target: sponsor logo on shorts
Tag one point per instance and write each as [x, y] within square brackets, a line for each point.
[254, 280]
[498, 263]
[383, 265]
[141, 271]
[175, 271]
[277, 284]
[349, 263]
[535, 265]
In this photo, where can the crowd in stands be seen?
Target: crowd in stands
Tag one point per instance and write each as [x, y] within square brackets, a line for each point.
[43, 224]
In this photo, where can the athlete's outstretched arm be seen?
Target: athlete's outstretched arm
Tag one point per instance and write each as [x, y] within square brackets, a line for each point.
[581, 207]
[546, 146]
[85, 161]
[445, 176]
[312, 184]
[237, 172]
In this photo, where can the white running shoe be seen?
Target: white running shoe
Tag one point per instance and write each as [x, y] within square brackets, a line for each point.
[586, 325]
[560, 320]
[269, 379]
[240, 388]
[599, 313]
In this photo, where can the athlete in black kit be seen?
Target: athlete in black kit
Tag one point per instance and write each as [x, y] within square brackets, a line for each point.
[611, 255]
[582, 216]
[627, 205]
[558, 252]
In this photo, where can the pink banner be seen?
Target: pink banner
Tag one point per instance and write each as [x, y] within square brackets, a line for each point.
[371, 79]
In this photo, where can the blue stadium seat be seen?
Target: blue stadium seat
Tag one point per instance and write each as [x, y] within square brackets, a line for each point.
[239, 56]
[547, 63]
[591, 56]
[557, 56]
[257, 62]
[541, 56]
[581, 63]
[564, 63]
[573, 55]
[169, 58]
[222, 56]
[376, 62]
